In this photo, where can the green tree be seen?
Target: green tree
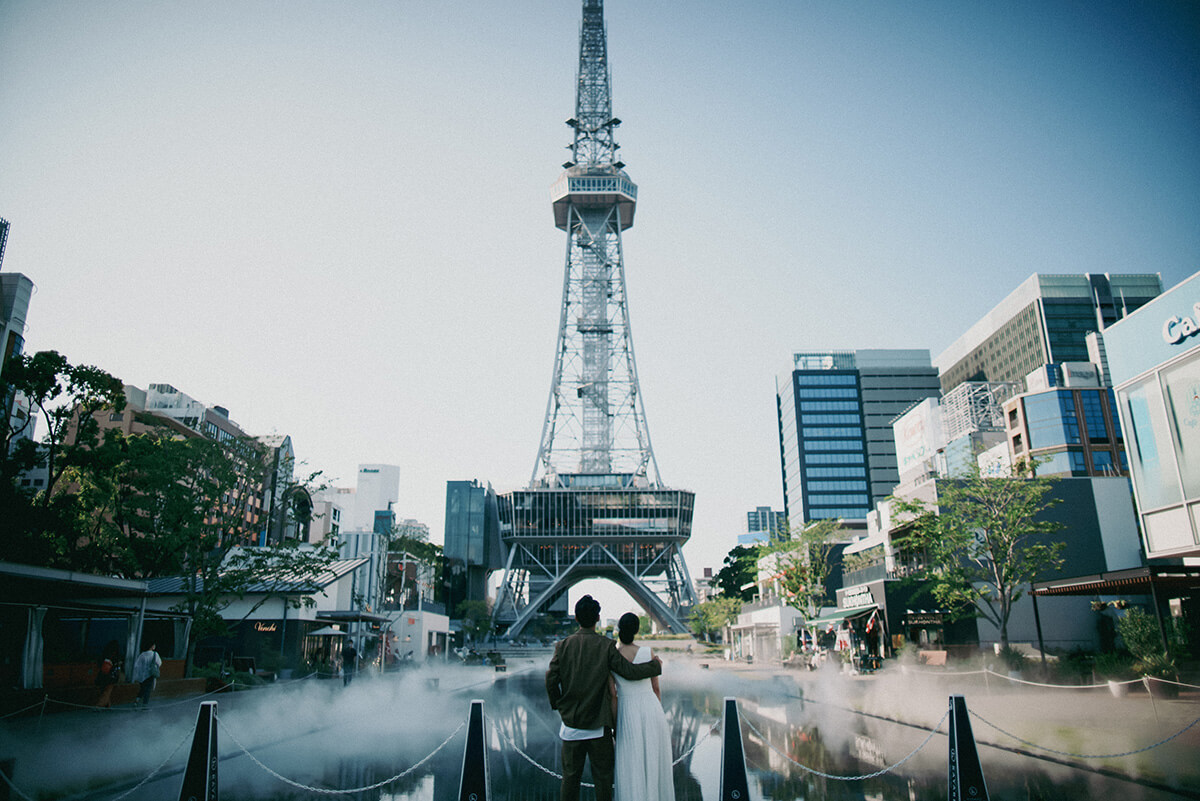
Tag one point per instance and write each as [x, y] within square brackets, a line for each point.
[476, 619]
[42, 524]
[983, 544]
[801, 563]
[739, 569]
[710, 618]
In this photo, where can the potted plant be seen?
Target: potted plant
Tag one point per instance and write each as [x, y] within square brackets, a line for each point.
[1117, 669]
[1154, 667]
[1013, 660]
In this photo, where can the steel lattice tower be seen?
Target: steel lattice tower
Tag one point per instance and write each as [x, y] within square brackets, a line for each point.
[595, 506]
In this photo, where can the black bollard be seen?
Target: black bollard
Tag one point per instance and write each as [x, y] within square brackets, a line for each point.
[734, 784]
[200, 778]
[475, 785]
[965, 772]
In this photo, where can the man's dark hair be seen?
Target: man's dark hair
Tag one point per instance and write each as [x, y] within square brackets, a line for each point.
[587, 611]
[628, 627]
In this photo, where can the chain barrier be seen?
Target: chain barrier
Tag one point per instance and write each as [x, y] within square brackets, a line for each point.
[1168, 681]
[1015, 680]
[14, 787]
[1084, 756]
[326, 791]
[558, 776]
[135, 708]
[26, 709]
[863, 777]
[187, 737]
[907, 669]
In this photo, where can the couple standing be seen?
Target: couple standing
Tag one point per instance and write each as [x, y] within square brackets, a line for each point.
[596, 685]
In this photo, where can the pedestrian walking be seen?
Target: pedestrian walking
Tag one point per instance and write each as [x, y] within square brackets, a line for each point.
[145, 672]
[349, 662]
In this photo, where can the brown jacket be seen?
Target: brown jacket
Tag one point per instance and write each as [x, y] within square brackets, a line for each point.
[577, 681]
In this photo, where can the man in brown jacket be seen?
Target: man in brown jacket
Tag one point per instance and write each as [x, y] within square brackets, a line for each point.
[577, 683]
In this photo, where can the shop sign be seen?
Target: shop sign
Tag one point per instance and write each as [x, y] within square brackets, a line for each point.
[856, 597]
[1176, 328]
[923, 619]
[260, 626]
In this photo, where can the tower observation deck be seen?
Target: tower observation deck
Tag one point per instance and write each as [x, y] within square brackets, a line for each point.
[595, 506]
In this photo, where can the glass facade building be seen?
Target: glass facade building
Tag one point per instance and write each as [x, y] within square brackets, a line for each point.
[1154, 358]
[472, 547]
[1045, 320]
[1068, 432]
[835, 411]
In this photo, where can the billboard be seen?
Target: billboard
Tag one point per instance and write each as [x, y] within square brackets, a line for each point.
[918, 435]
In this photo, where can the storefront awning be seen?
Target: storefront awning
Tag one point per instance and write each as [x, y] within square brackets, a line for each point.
[352, 616]
[1136, 581]
[840, 615]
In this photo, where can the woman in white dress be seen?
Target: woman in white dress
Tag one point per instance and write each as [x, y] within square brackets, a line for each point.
[643, 770]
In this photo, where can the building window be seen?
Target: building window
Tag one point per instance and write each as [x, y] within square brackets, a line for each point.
[1148, 443]
[1181, 390]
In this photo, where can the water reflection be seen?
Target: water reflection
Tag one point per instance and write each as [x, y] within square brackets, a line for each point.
[324, 737]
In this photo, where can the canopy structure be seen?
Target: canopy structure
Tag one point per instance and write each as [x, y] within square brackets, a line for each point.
[352, 616]
[1135, 581]
[840, 616]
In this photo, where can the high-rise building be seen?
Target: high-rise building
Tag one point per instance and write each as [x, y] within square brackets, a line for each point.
[472, 548]
[15, 293]
[762, 525]
[1044, 320]
[835, 429]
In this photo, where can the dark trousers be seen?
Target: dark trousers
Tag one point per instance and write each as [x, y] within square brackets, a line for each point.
[599, 752]
[147, 688]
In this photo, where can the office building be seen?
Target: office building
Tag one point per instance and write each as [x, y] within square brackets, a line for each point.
[472, 548]
[1045, 320]
[835, 411]
[1067, 424]
[1154, 361]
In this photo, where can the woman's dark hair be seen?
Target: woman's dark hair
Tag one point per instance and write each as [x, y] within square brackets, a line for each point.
[628, 626]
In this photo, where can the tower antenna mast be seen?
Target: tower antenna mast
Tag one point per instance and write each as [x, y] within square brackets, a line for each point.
[595, 421]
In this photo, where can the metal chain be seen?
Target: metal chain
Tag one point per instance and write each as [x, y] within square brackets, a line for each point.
[26, 709]
[880, 772]
[326, 791]
[1059, 686]
[558, 776]
[187, 736]
[1168, 681]
[534, 762]
[156, 707]
[703, 737]
[14, 787]
[1083, 756]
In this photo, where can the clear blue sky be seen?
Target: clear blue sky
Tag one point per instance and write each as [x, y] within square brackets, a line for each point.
[334, 218]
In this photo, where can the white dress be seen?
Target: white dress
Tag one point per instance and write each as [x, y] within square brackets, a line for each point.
[643, 770]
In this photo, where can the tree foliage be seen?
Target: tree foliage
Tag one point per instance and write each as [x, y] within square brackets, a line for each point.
[739, 569]
[41, 522]
[984, 543]
[159, 503]
[708, 619]
[801, 563]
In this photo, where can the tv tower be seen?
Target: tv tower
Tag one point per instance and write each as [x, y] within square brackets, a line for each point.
[595, 505]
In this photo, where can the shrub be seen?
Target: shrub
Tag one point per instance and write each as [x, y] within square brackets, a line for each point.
[1012, 658]
[1140, 632]
[1117, 666]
